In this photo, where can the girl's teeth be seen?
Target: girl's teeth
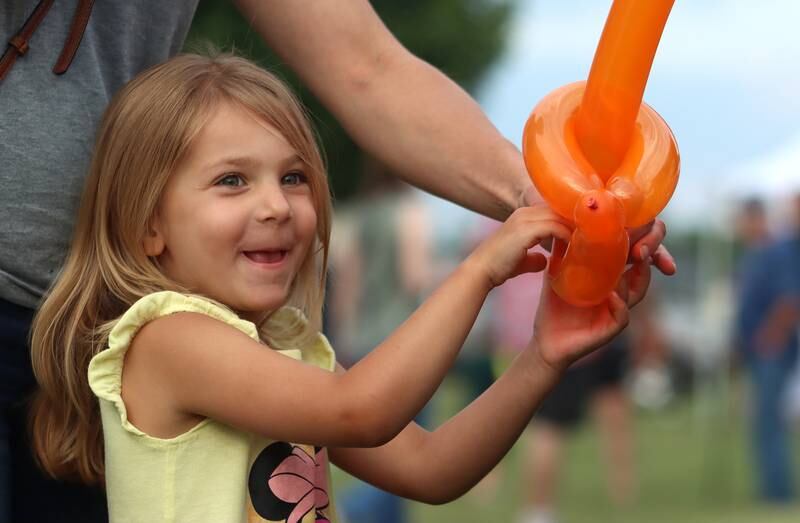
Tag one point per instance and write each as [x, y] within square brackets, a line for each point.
[266, 256]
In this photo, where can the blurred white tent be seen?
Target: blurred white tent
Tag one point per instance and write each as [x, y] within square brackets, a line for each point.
[772, 175]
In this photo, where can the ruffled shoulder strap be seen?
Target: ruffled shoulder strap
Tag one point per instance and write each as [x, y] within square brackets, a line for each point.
[105, 368]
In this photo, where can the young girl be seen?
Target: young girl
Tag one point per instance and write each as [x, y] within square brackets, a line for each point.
[190, 303]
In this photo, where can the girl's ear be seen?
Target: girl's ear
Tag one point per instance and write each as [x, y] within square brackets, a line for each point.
[153, 241]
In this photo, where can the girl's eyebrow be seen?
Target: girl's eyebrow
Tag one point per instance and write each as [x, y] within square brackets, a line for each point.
[295, 158]
[251, 161]
[237, 161]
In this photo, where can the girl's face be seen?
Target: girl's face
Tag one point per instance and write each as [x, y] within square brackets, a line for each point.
[237, 219]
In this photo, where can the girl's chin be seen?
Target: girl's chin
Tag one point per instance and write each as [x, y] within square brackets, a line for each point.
[256, 309]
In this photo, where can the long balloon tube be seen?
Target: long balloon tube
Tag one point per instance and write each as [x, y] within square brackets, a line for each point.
[617, 79]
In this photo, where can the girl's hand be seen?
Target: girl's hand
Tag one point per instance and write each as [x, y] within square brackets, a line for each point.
[564, 333]
[505, 253]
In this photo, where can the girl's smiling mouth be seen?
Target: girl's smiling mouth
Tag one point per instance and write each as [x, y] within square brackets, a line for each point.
[267, 257]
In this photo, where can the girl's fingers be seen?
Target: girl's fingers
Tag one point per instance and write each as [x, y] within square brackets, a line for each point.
[664, 261]
[561, 232]
[533, 262]
[623, 289]
[542, 230]
[543, 212]
[646, 239]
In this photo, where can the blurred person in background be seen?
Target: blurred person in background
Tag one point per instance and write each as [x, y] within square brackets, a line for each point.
[793, 407]
[767, 323]
[752, 232]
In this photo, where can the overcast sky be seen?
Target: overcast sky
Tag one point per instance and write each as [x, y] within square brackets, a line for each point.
[726, 79]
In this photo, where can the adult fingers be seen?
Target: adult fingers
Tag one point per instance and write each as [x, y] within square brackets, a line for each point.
[637, 280]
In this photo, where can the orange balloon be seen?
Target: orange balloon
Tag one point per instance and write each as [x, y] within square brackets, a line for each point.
[602, 158]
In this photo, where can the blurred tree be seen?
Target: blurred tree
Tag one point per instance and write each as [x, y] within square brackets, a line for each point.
[460, 37]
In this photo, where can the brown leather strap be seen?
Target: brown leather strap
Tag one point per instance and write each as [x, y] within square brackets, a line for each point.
[76, 30]
[18, 44]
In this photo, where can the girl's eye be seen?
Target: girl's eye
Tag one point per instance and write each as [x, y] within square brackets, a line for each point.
[231, 180]
[294, 178]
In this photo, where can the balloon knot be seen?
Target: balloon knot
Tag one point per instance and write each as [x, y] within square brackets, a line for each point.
[591, 203]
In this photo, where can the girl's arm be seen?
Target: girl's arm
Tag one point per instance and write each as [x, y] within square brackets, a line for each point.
[207, 368]
[439, 466]
[188, 365]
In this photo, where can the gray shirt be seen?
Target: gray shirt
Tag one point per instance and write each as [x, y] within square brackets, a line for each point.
[47, 122]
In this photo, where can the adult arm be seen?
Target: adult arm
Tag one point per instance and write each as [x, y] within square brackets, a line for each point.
[781, 322]
[781, 273]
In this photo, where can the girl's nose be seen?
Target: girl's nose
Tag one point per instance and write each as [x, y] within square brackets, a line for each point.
[273, 206]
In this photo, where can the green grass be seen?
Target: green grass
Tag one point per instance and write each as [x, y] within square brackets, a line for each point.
[692, 466]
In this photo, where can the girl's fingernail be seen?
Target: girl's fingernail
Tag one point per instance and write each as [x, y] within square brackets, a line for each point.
[644, 251]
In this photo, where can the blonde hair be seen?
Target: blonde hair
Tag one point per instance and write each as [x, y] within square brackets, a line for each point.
[144, 134]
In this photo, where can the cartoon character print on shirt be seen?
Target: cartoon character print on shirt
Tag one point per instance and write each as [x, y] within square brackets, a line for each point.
[286, 483]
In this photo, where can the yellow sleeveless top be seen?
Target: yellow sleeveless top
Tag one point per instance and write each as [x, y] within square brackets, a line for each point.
[213, 472]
